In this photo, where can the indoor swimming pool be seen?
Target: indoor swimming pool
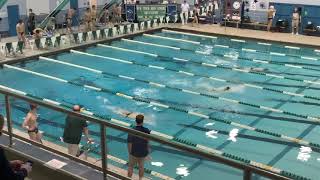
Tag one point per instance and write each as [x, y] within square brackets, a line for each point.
[242, 98]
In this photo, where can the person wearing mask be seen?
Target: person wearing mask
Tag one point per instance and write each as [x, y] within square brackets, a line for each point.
[31, 22]
[184, 12]
[138, 148]
[271, 14]
[295, 21]
[12, 170]
[93, 17]
[74, 127]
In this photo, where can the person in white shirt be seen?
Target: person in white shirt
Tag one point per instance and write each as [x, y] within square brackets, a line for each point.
[184, 12]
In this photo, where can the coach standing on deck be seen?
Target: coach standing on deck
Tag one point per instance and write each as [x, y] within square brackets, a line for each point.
[184, 12]
[31, 22]
[73, 129]
[138, 148]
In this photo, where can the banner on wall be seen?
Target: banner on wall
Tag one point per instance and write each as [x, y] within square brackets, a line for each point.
[172, 12]
[151, 11]
[130, 12]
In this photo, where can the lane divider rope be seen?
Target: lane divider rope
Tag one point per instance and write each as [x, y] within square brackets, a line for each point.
[190, 34]
[156, 84]
[315, 119]
[173, 39]
[158, 45]
[196, 114]
[119, 122]
[219, 79]
[171, 138]
[255, 50]
[245, 71]
[261, 61]
[174, 139]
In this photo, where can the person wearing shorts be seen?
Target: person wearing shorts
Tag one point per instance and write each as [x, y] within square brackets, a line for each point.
[271, 13]
[138, 148]
[73, 129]
[20, 28]
[31, 125]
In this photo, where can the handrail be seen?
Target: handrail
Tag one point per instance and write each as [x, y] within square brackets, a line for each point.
[53, 13]
[36, 160]
[2, 3]
[248, 169]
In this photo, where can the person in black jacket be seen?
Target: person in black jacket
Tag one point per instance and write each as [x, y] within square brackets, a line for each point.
[13, 170]
[138, 148]
[31, 21]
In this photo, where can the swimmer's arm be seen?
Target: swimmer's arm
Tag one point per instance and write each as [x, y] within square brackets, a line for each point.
[26, 121]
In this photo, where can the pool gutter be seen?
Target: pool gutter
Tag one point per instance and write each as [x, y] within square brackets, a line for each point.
[77, 46]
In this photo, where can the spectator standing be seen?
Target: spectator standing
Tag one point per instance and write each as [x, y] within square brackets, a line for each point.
[93, 17]
[185, 12]
[13, 170]
[138, 148]
[105, 17]
[196, 12]
[69, 16]
[87, 19]
[72, 134]
[295, 21]
[271, 14]
[30, 121]
[31, 22]
[114, 13]
[118, 13]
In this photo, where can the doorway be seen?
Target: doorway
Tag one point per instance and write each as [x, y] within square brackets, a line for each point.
[13, 18]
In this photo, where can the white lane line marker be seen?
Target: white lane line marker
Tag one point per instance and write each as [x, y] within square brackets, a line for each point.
[191, 34]
[173, 39]
[128, 50]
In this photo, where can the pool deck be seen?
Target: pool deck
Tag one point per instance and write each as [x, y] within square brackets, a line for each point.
[84, 174]
[208, 29]
[301, 40]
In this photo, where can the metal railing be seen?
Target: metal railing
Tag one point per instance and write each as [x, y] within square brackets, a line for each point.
[247, 169]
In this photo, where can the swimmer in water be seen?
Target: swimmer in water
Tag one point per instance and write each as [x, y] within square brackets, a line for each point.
[128, 114]
[228, 88]
[258, 69]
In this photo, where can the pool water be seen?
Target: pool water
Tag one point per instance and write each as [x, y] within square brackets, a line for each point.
[193, 76]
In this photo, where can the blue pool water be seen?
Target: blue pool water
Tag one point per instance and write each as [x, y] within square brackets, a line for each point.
[249, 144]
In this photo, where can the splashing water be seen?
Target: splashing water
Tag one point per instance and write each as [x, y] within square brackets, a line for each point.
[159, 164]
[182, 170]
